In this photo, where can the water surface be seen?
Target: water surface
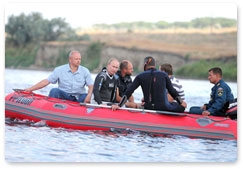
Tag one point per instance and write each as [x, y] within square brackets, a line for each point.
[25, 143]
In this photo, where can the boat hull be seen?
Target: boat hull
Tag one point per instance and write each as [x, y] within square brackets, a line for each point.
[72, 115]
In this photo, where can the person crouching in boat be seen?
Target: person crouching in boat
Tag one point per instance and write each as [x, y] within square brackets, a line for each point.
[154, 84]
[105, 85]
[221, 94]
[124, 81]
[71, 78]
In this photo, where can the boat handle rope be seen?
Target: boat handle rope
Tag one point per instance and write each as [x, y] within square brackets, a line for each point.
[150, 111]
[109, 107]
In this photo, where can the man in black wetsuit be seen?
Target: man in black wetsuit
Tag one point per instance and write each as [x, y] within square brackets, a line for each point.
[154, 84]
[105, 84]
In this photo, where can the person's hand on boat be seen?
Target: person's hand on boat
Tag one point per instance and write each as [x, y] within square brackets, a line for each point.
[205, 113]
[142, 102]
[114, 107]
[28, 90]
[204, 107]
[184, 104]
[87, 99]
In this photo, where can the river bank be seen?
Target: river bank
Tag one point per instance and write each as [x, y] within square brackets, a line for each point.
[191, 55]
[197, 70]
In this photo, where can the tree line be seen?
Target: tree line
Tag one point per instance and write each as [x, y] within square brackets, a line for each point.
[198, 23]
[33, 28]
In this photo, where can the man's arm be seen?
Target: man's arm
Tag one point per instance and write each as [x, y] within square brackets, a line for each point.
[96, 89]
[217, 105]
[88, 97]
[118, 97]
[128, 93]
[39, 85]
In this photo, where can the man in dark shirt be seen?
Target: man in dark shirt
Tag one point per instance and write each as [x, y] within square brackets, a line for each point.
[124, 82]
[154, 85]
[220, 95]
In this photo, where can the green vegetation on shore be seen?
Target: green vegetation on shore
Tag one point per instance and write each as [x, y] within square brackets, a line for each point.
[22, 57]
[25, 57]
[199, 69]
[93, 56]
[200, 23]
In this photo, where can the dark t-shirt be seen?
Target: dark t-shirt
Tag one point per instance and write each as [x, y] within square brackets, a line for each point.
[123, 83]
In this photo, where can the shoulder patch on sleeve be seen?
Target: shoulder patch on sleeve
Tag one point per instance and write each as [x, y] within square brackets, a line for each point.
[220, 91]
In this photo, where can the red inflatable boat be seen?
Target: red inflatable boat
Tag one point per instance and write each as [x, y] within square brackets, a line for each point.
[62, 113]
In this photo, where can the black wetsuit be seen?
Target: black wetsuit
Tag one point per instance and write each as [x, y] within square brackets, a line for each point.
[123, 83]
[154, 85]
[105, 87]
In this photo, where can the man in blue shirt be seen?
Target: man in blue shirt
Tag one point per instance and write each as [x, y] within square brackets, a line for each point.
[220, 95]
[71, 78]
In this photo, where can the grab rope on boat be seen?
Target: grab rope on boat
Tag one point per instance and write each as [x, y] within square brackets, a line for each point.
[25, 93]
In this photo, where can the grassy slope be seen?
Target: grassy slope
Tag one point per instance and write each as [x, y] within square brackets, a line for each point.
[191, 43]
[209, 48]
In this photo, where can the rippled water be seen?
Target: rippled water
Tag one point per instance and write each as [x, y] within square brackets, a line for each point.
[24, 143]
[31, 144]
